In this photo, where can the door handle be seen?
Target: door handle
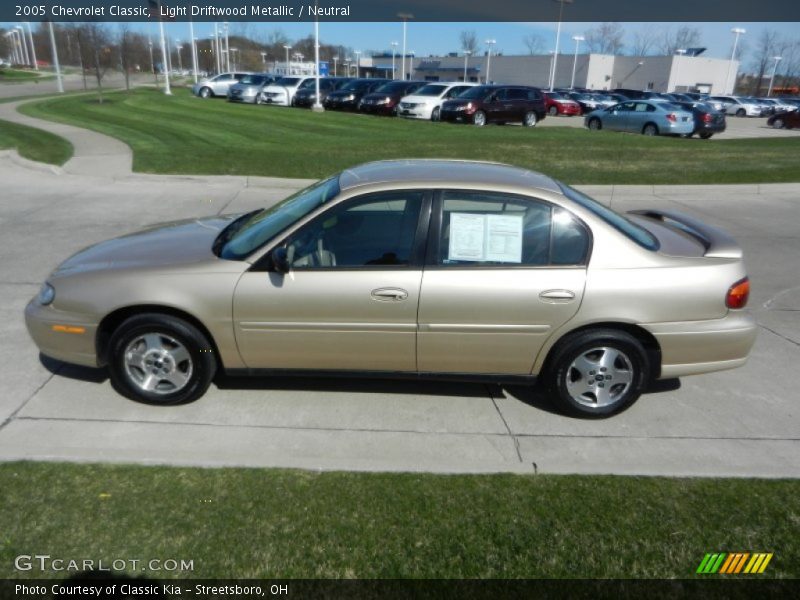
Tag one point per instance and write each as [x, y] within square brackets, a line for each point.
[557, 296]
[389, 294]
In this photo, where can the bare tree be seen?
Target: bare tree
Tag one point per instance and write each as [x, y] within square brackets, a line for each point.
[644, 42]
[469, 41]
[790, 65]
[767, 45]
[684, 37]
[124, 44]
[534, 43]
[606, 38]
[96, 50]
[277, 37]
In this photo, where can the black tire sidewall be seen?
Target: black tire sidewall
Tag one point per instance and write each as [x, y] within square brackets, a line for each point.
[203, 358]
[573, 347]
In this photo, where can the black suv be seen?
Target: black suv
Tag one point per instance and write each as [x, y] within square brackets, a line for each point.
[496, 104]
[350, 94]
[386, 99]
[307, 95]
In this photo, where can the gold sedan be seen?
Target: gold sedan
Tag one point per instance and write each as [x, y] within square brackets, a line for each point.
[411, 268]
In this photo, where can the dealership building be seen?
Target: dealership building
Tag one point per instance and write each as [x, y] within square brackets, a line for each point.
[680, 73]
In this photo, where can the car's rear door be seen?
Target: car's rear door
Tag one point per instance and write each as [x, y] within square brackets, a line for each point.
[350, 299]
[502, 273]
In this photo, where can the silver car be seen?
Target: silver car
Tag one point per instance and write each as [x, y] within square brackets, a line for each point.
[218, 85]
[648, 117]
[409, 268]
[741, 107]
[249, 88]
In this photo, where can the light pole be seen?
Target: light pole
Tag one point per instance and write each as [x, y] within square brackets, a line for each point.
[777, 59]
[264, 61]
[164, 56]
[335, 65]
[680, 52]
[227, 47]
[394, 49]
[23, 44]
[405, 17]
[358, 63]
[234, 51]
[152, 64]
[59, 81]
[550, 72]
[466, 62]
[736, 31]
[561, 4]
[578, 39]
[33, 47]
[194, 50]
[178, 48]
[10, 35]
[287, 47]
[317, 104]
[489, 43]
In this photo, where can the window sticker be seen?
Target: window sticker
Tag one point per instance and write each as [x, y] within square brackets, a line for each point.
[485, 238]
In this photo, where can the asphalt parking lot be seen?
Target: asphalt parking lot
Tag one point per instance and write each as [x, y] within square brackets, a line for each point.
[738, 423]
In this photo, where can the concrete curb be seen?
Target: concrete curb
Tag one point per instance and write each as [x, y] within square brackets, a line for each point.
[26, 163]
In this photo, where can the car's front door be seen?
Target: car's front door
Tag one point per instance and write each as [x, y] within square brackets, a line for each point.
[617, 117]
[495, 106]
[349, 300]
[502, 273]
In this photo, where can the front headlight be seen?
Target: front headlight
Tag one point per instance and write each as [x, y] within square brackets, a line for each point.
[46, 295]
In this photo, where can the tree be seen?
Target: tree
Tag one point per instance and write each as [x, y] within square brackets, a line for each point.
[469, 41]
[533, 43]
[606, 38]
[767, 46]
[684, 37]
[644, 42]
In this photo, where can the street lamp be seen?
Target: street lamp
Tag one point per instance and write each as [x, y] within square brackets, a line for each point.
[227, 47]
[578, 39]
[33, 47]
[233, 51]
[561, 4]
[489, 43]
[405, 17]
[287, 47]
[194, 50]
[335, 64]
[736, 31]
[466, 61]
[679, 52]
[777, 59]
[57, 66]
[178, 48]
[394, 49]
[264, 60]
[550, 72]
[358, 63]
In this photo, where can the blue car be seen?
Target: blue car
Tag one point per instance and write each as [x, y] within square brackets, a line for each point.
[642, 116]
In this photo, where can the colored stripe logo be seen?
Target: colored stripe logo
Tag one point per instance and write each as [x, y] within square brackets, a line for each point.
[732, 563]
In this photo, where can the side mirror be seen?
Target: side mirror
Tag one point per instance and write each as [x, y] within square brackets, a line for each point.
[280, 260]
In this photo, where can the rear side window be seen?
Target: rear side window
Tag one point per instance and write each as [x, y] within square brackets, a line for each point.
[534, 95]
[517, 94]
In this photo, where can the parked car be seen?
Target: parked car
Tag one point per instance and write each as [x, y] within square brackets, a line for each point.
[697, 96]
[592, 303]
[249, 87]
[779, 105]
[559, 103]
[733, 105]
[788, 120]
[350, 94]
[282, 91]
[675, 97]
[218, 85]
[642, 116]
[707, 121]
[587, 102]
[385, 99]
[426, 102]
[307, 95]
[496, 104]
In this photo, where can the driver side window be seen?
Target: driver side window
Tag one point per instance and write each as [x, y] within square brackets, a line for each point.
[373, 230]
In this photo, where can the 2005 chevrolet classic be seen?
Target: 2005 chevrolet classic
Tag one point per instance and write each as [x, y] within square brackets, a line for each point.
[408, 268]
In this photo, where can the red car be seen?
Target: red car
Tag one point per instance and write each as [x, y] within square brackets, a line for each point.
[557, 103]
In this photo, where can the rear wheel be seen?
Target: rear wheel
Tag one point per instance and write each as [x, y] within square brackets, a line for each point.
[553, 111]
[159, 359]
[650, 129]
[778, 124]
[530, 119]
[598, 373]
[479, 119]
[595, 124]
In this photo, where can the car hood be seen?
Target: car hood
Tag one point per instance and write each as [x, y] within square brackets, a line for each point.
[420, 99]
[343, 94]
[175, 243]
[379, 96]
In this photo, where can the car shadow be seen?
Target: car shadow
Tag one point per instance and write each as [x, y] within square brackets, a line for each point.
[62, 369]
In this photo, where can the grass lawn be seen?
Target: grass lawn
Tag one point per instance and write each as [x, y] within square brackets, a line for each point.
[35, 144]
[22, 76]
[254, 523]
[183, 134]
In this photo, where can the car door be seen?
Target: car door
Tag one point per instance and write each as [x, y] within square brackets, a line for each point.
[221, 83]
[617, 117]
[494, 105]
[502, 273]
[637, 118]
[349, 300]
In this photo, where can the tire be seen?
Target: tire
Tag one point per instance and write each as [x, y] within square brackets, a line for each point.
[553, 110]
[778, 124]
[205, 92]
[650, 129]
[705, 135]
[597, 373]
[175, 364]
[595, 124]
[259, 99]
[436, 114]
[479, 118]
[530, 119]
[741, 112]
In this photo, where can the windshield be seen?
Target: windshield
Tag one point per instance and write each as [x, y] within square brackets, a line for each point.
[557, 96]
[253, 79]
[430, 90]
[290, 81]
[243, 237]
[355, 86]
[476, 93]
[308, 84]
[392, 87]
[630, 229]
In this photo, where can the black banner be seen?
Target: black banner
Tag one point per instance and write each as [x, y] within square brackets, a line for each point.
[396, 10]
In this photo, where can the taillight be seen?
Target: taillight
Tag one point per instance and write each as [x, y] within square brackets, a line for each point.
[672, 117]
[738, 293]
[707, 118]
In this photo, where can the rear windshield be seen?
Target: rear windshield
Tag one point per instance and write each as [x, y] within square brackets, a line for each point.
[630, 229]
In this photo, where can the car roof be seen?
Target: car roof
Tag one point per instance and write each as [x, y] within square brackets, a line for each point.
[437, 171]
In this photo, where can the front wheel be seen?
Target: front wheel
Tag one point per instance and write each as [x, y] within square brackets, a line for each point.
[160, 359]
[530, 119]
[553, 111]
[598, 373]
[741, 112]
[595, 124]
[479, 119]
[436, 114]
[778, 124]
[259, 99]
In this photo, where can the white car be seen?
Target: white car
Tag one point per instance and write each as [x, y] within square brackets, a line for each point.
[741, 107]
[426, 102]
[282, 91]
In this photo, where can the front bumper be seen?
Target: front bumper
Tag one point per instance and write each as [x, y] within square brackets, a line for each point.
[693, 347]
[455, 116]
[64, 336]
[336, 104]
[377, 109]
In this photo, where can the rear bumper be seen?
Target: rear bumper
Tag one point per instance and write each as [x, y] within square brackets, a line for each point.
[63, 336]
[693, 347]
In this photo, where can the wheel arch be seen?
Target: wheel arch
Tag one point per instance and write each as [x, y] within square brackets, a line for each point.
[654, 124]
[647, 339]
[114, 319]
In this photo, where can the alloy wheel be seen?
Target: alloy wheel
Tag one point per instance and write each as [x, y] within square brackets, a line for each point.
[158, 363]
[599, 377]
